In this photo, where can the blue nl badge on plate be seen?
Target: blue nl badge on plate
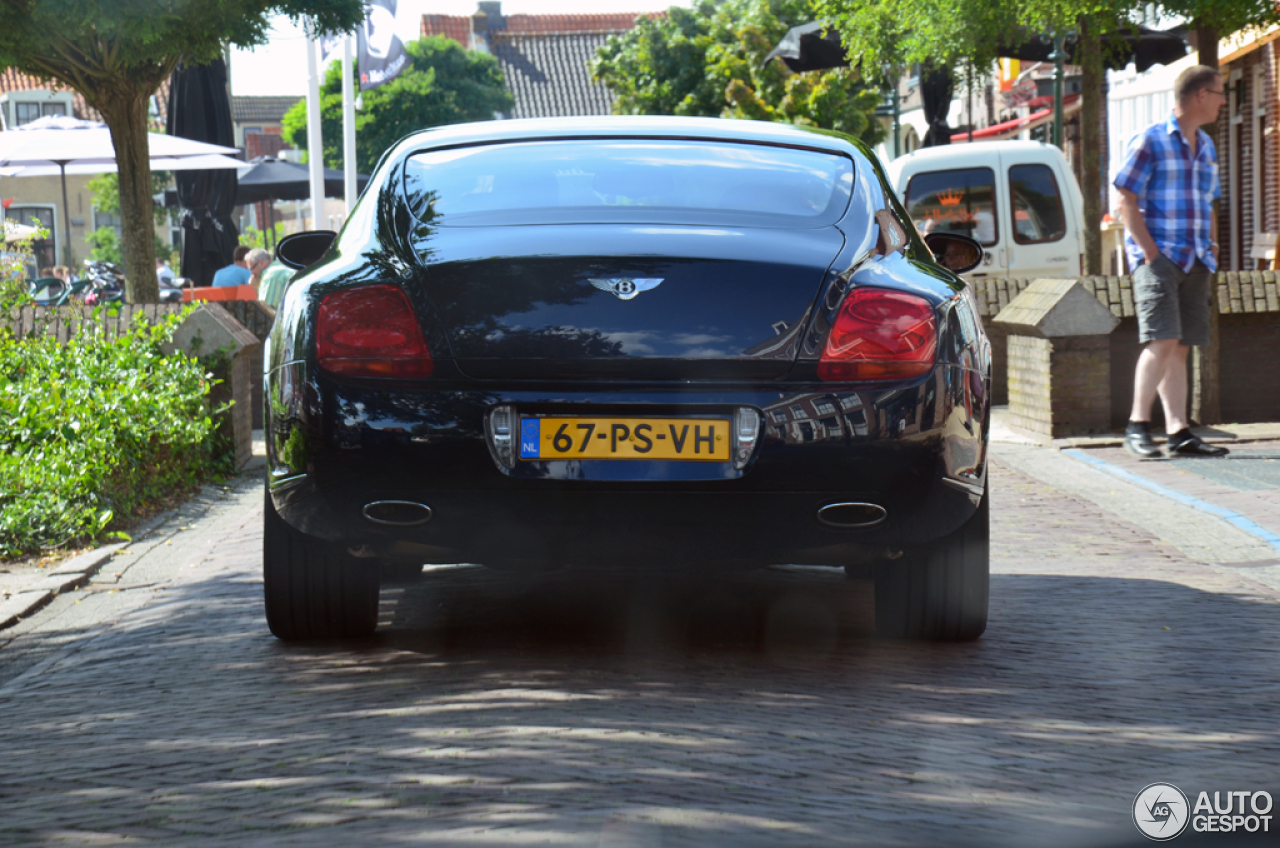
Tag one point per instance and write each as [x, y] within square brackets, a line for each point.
[530, 437]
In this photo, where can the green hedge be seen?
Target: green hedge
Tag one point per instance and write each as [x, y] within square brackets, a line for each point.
[93, 429]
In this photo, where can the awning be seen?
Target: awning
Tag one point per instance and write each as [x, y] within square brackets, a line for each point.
[1009, 129]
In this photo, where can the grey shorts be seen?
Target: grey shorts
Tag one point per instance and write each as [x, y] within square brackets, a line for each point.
[1171, 303]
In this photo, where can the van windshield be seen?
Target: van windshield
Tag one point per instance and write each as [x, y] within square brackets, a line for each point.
[957, 201]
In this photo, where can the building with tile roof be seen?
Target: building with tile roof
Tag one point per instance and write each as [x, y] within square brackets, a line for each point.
[258, 123]
[544, 58]
[24, 98]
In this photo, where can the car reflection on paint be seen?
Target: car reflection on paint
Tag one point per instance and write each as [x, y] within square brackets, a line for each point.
[638, 343]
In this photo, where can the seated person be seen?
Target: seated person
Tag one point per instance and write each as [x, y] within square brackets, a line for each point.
[164, 274]
[257, 260]
[235, 274]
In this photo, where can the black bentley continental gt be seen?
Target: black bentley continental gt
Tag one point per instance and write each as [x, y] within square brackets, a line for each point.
[640, 343]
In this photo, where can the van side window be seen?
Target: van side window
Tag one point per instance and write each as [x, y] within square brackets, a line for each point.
[1036, 204]
[956, 201]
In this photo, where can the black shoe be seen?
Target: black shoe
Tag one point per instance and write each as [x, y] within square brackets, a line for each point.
[1137, 438]
[1189, 445]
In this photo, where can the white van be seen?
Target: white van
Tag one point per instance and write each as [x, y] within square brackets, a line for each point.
[1019, 199]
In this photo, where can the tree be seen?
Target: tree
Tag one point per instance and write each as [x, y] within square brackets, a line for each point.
[117, 53]
[972, 31]
[709, 60]
[443, 84]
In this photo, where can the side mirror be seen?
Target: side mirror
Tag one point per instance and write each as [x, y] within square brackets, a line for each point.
[952, 251]
[302, 250]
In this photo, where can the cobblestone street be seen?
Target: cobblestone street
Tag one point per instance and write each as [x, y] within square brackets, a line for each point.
[153, 707]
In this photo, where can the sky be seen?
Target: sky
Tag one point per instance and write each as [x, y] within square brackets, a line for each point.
[280, 67]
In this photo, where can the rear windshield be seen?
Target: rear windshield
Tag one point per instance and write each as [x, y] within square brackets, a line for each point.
[962, 200]
[631, 180]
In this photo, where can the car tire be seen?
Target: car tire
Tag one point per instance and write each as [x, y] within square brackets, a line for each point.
[401, 573]
[941, 592]
[313, 591]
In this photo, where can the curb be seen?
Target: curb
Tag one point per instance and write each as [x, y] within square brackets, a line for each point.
[72, 574]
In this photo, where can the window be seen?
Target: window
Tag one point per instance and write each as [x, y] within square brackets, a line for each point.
[38, 216]
[1036, 204]
[779, 416]
[797, 412]
[25, 113]
[106, 219]
[832, 424]
[957, 201]
[825, 407]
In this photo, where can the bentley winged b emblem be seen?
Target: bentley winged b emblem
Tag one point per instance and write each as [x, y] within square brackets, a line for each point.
[625, 287]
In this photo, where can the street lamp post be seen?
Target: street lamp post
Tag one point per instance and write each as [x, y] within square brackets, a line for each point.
[1059, 57]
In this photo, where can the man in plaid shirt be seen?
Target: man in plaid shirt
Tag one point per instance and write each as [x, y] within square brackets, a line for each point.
[1167, 186]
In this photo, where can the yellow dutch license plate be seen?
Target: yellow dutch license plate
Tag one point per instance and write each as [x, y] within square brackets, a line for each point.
[687, 439]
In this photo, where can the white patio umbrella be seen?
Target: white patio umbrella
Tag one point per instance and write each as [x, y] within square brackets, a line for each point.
[13, 231]
[58, 141]
[209, 161]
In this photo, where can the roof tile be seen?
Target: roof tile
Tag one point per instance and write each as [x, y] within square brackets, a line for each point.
[548, 73]
[266, 110]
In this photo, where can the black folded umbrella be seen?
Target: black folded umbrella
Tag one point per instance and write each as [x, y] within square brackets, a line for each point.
[816, 46]
[276, 179]
[1140, 45]
[810, 47]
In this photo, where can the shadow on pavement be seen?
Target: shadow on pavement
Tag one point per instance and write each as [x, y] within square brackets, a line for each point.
[606, 711]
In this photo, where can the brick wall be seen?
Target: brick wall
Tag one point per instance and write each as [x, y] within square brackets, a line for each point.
[1255, 214]
[1060, 387]
[1249, 307]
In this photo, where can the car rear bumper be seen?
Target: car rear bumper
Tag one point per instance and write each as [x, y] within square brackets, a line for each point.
[918, 452]
[631, 529]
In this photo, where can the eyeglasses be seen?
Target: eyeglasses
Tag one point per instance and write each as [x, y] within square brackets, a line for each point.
[1221, 92]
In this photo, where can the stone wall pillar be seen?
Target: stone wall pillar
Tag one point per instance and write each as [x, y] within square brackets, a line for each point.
[1059, 359]
[212, 333]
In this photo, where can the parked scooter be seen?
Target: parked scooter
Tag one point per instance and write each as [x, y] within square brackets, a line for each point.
[106, 282]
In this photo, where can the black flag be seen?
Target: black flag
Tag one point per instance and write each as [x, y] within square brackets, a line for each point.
[381, 54]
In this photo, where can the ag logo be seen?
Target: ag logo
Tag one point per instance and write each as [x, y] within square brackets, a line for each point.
[625, 287]
[1161, 811]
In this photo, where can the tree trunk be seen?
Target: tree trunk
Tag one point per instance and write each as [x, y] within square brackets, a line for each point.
[1092, 76]
[126, 117]
[1207, 43]
[1206, 399]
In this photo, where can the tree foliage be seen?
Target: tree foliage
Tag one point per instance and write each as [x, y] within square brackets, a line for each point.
[708, 60]
[443, 84]
[117, 53]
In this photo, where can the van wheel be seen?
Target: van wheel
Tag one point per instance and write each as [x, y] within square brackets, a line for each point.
[311, 590]
[939, 593]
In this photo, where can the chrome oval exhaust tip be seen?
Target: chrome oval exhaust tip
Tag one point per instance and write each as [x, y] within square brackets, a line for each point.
[852, 515]
[397, 513]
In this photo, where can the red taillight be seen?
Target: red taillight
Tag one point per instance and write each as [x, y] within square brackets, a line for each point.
[880, 335]
[371, 331]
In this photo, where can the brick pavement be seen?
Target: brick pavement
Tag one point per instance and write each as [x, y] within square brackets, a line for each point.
[570, 711]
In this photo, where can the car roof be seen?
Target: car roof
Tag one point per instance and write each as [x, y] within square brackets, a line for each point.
[624, 126]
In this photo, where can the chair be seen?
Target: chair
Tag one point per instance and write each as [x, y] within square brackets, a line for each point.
[211, 293]
[1263, 251]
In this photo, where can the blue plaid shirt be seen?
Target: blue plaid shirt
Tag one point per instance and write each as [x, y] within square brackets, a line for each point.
[1175, 194]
